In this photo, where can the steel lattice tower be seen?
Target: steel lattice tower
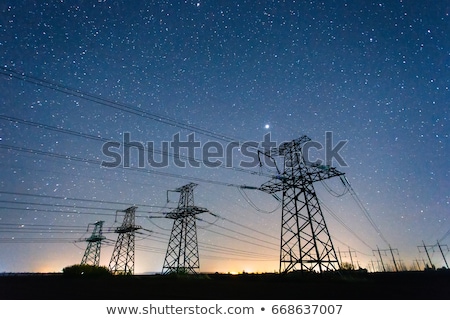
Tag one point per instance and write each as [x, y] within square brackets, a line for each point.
[92, 253]
[122, 259]
[305, 241]
[182, 251]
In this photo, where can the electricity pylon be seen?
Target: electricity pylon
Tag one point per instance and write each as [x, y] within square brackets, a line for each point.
[351, 253]
[182, 251]
[426, 247]
[440, 246]
[92, 253]
[305, 241]
[122, 259]
[381, 258]
[384, 251]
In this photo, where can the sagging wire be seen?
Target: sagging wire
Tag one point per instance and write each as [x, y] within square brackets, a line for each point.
[334, 193]
[150, 218]
[209, 224]
[254, 206]
[363, 208]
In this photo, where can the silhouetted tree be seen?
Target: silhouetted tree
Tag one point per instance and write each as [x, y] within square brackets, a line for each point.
[84, 270]
[347, 266]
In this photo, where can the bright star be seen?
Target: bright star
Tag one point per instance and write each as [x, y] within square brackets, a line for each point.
[267, 126]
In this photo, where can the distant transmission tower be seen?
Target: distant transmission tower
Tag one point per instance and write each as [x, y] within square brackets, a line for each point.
[182, 251]
[122, 259]
[305, 241]
[92, 253]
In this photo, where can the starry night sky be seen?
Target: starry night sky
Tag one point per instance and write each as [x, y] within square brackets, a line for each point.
[374, 73]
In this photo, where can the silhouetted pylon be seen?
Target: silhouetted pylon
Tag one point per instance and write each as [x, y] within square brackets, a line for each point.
[122, 259]
[305, 240]
[92, 253]
[182, 250]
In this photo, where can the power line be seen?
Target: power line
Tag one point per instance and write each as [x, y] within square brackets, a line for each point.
[98, 163]
[98, 138]
[56, 205]
[236, 259]
[22, 225]
[65, 212]
[41, 231]
[341, 222]
[207, 247]
[56, 211]
[111, 209]
[77, 199]
[445, 235]
[236, 256]
[38, 240]
[75, 206]
[244, 226]
[253, 205]
[112, 104]
[48, 228]
[347, 245]
[244, 241]
[245, 235]
[215, 248]
[90, 177]
[363, 209]
[334, 193]
[218, 246]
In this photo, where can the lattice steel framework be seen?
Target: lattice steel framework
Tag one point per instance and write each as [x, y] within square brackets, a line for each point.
[182, 251]
[92, 253]
[122, 259]
[305, 240]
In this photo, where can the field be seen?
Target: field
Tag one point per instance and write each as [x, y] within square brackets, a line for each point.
[379, 286]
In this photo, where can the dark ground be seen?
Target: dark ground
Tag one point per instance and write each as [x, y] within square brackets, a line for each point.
[433, 285]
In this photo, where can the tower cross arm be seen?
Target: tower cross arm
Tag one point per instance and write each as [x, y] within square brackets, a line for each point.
[310, 173]
[322, 172]
[272, 186]
[184, 211]
[95, 238]
[126, 229]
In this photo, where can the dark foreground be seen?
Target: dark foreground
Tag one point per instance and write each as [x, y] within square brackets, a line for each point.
[380, 286]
